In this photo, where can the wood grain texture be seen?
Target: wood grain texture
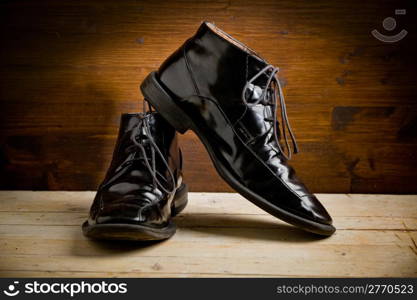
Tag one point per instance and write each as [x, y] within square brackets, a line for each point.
[219, 235]
[69, 68]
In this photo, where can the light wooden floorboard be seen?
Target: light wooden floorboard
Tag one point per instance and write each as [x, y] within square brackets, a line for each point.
[219, 235]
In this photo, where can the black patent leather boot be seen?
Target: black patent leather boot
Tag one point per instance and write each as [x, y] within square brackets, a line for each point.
[229, 96]
[143, 187]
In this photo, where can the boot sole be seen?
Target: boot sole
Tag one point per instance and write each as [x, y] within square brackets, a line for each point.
[139, 232]
[161, 100]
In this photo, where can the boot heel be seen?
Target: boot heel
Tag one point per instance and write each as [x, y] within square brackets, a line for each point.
[160, 99]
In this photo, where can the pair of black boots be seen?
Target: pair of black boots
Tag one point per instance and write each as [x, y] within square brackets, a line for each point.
[230, 97]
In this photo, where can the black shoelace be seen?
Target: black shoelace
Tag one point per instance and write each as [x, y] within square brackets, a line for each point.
[273, 82]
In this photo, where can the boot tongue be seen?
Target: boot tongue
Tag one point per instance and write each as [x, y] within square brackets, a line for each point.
[254, 94]
[150, 126]
[132, 127]
[129, 121]
[257, 116]
[158, 128]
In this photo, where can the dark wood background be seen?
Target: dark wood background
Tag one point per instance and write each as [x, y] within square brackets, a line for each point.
[69, 68]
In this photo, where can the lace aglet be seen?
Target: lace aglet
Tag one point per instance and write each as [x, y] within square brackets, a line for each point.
[296, 149]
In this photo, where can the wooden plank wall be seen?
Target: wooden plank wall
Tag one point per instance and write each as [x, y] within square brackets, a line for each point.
[69, 68]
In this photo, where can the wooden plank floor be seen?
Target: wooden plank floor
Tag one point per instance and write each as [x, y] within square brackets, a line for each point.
[219, 235]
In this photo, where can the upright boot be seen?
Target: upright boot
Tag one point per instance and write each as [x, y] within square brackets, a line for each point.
[143, 187]
[229, 96]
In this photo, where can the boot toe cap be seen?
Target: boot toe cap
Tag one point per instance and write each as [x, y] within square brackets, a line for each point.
[315, 210]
